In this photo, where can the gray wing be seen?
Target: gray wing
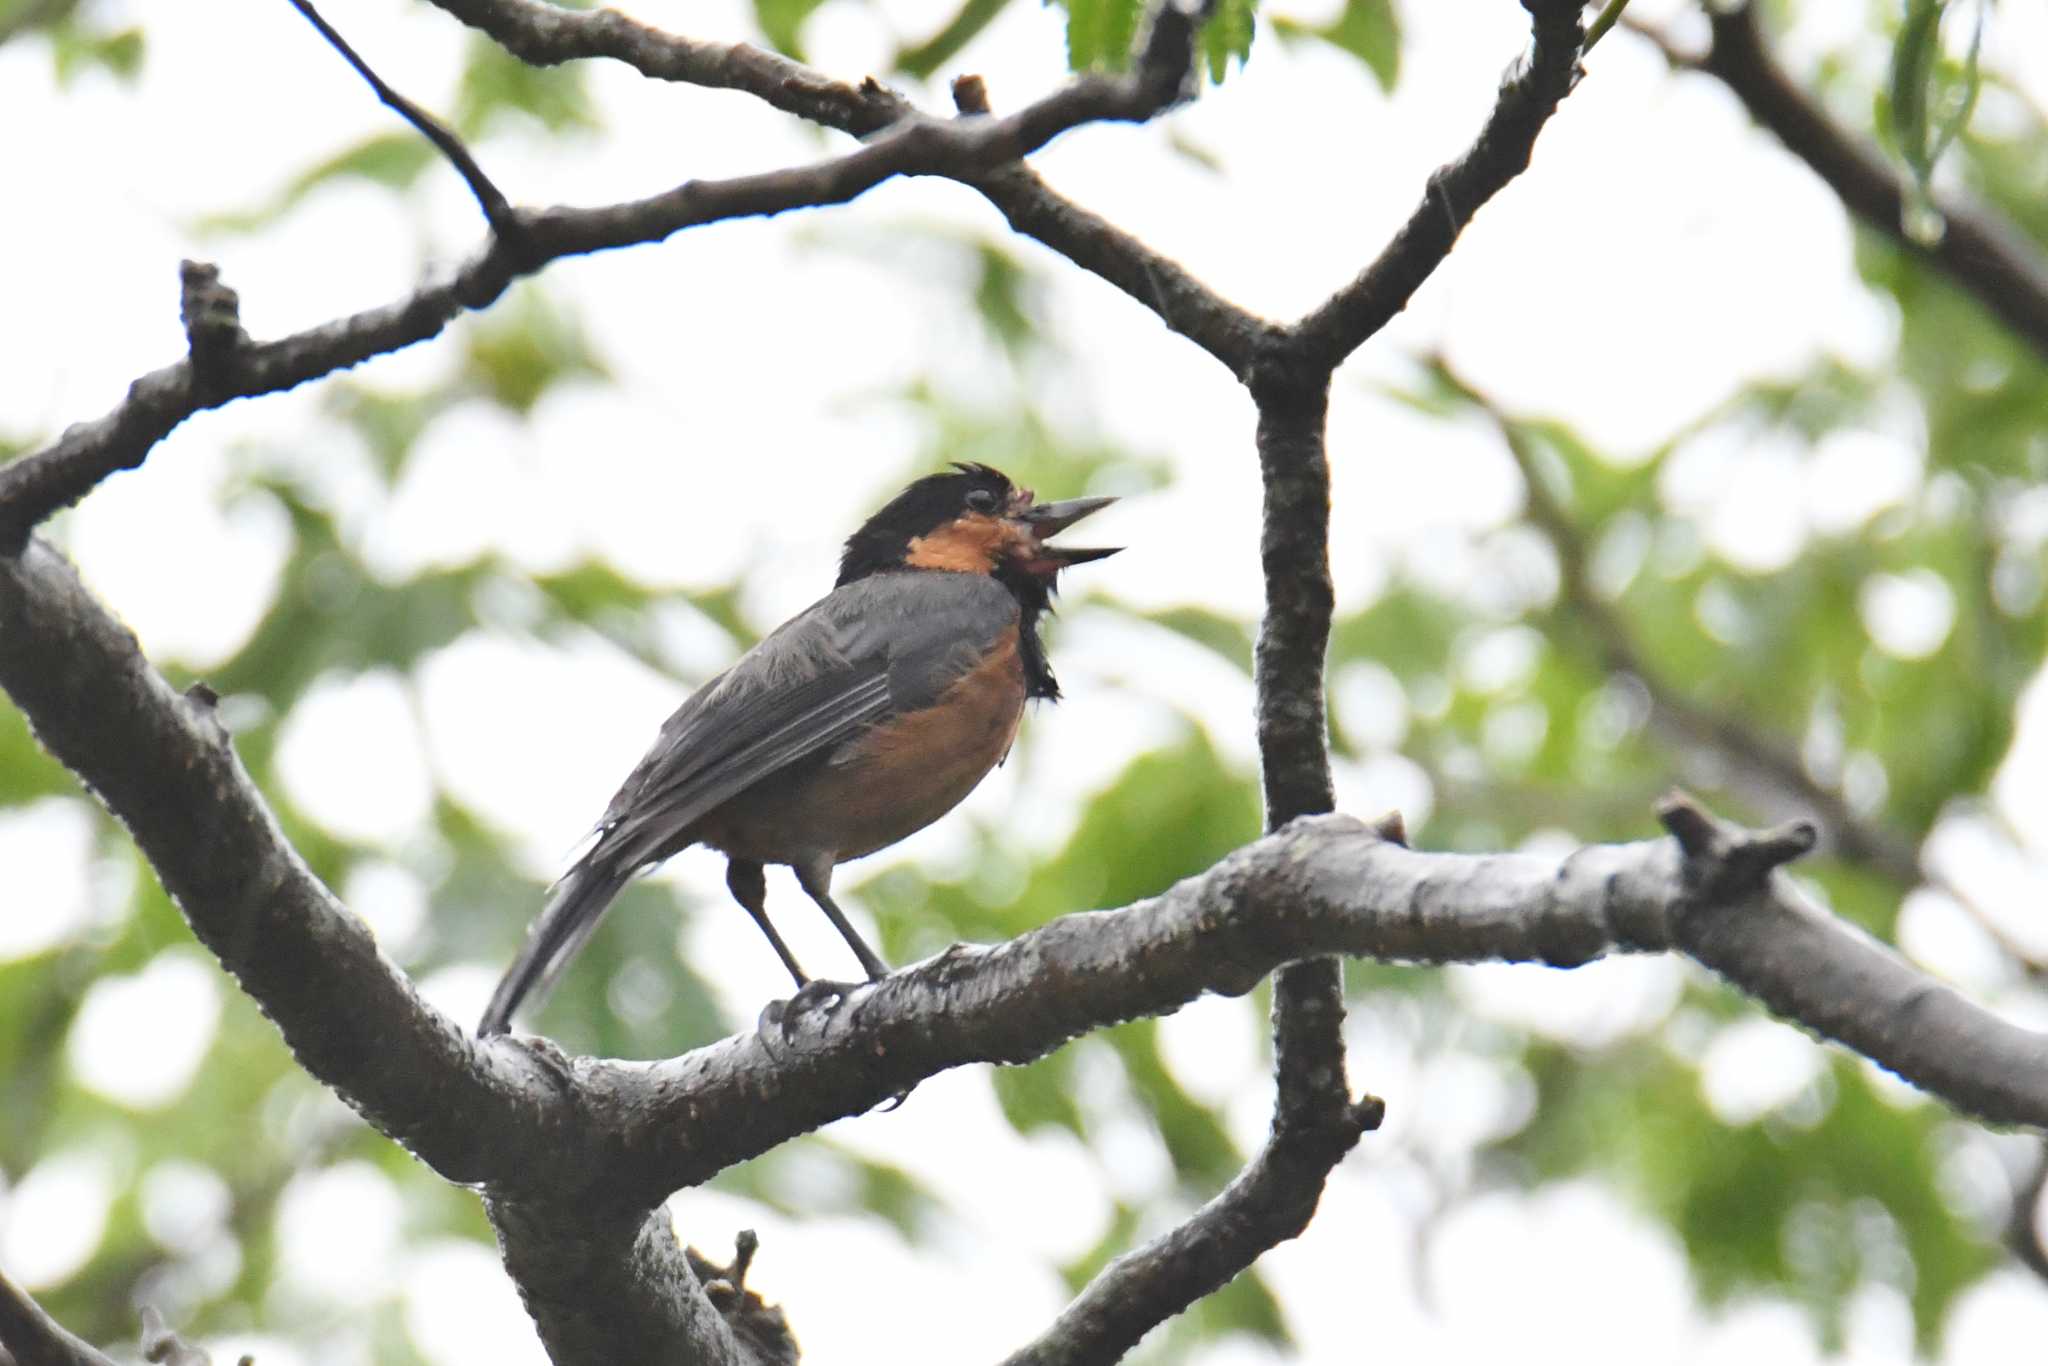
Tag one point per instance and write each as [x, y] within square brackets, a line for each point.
[872, 649]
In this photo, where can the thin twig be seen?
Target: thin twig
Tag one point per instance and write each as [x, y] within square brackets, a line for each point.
[546, 35]
[1978, 248]
[497, 209]
[35, 486]
[1608, 18]
[1456, 192]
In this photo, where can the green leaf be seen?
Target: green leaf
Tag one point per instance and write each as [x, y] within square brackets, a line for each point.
[1100, 33]
[1369, 30]
[388, 423]
[1228, 34]
[1931, 100]
[1039, 1095]
[330, 613]
[1202, 1152]
[782, 23]
[1006, 294]
[496, 86]
[1225, 635]
[925, 58]
[1772, 1204]
[515, 351]
[78, 50]
[394, 160]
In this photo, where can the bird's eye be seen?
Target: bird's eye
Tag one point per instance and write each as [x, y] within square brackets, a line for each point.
[981, 500]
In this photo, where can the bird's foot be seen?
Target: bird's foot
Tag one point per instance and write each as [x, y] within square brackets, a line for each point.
[781, 1018]
[819, 994]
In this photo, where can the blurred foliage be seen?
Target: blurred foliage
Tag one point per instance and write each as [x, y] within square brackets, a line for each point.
[1492, 692]
[393, 160]
[780, 22]
[1369, 30]
[81, 38]
[498, 89]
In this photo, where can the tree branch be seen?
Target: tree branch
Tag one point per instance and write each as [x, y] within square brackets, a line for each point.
[33, 1338]
[1979, 250]
[1227, 332]
[36, 486]
[608, 1285]
[1323, 885]
[497, 209]
[1314, 1121]
[545, 35]
[1293, 731]
[1456, 192]
[541, 34]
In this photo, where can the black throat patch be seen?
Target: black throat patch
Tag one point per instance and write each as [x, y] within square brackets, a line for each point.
[1034, 600]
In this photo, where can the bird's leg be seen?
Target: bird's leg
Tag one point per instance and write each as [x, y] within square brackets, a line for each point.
[816, 880]
[749, 887]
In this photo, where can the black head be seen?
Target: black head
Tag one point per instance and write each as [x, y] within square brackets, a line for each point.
[971, 519]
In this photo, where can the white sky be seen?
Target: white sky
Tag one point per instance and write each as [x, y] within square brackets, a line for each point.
[1658, 256]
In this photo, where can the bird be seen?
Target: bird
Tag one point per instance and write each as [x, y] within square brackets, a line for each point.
[856, 723]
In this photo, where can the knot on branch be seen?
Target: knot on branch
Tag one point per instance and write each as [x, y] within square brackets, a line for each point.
[970, 95]
[160, 1344]
[761, 1326]
[1724, 861]
[204, 705]
[212, 314]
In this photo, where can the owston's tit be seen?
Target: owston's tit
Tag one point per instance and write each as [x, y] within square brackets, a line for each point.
[859, 721]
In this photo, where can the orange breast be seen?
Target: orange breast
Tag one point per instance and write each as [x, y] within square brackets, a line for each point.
[898, 778]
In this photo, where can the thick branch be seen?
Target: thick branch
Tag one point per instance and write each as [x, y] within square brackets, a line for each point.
[526, 239]
[1324, 885]
[611, 1286]
[1527, 99]
[1978, 250]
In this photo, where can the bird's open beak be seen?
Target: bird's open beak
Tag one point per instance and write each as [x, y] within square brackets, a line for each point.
[1049, 519]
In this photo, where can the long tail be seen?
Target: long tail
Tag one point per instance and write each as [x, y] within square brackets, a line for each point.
[579, 902]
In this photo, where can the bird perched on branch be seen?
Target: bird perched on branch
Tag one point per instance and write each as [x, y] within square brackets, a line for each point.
[858, 722]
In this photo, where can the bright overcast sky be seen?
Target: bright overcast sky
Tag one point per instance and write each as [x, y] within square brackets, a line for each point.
[1658, 255]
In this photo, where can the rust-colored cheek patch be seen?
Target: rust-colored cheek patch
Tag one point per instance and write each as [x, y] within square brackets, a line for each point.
[965, 545]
